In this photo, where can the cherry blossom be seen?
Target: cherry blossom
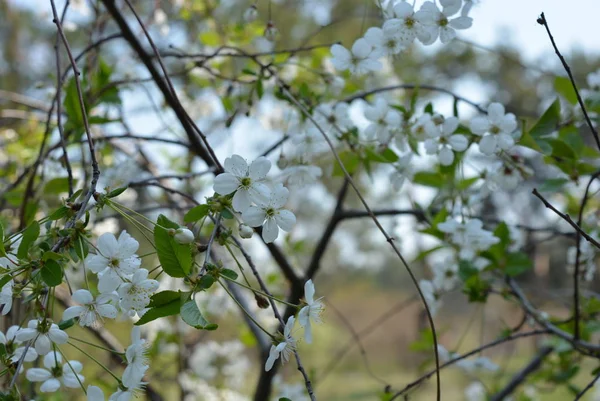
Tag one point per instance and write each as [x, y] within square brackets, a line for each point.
[285, 348]
[137, 360]
[361, 60]
[384, 120]
[333, 117]
[495, 129]
[135, 293]
[312, 310]
[9, 340]
[271, 215]
[6, 297]
[54, 374]
[403, 170]
[444, 144]
[44, 333]
[431, 296]
[114, 261]
[408, 25]
[386, 40]
[246, 181]
[91, 312]
[301, 175]
[430, 15]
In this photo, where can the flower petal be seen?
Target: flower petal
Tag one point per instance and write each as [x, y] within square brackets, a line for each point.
[285, 220]
[225, 183]
[260, 168]
[270, 230]
[241, 200]
[108, 245]
[83, 297]
[254, 216]
[487, 145]
[236, 165]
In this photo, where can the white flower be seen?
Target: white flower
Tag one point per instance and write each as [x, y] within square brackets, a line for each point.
[251, 13]
[500, 176]
[431, 296]
[445, 274]
[137, 360]
[424, 128]
[115, 260]
[135, 294]
[430, 15]
[6, 297]
[91, 312]
[184, 236]
[404, 170]
[301, 175]
[385, 40]
[312, 310]
[9, 340]
[54, 374]
[271, 215]
[470, 236]
[246, 182]
[408, 25]
[361, 60]
[384, 121]
[475, 392]
[308, 143]
[245, 231]
[333, 117]
[95, 394]
[496, 129]
[444, 144]
[44, 333]
[285, 348]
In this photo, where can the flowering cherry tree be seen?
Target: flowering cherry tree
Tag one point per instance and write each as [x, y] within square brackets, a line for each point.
[166, 265]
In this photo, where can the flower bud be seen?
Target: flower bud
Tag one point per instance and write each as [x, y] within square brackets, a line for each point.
[184, 236]
[251, 13]
[262, 302]
[245, 231]
[271, 31]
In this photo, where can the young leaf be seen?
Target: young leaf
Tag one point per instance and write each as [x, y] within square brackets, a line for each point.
[563, 86]
[30, 234]
[175, 258]
[52, 273]
[548, 122]
[196, 213]
[167, 309]
[192, 316]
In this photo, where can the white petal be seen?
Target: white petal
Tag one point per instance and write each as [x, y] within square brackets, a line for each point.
[127, 245]
[129, 265]
[458, 142]
[94, 394]
[308, 332]
[279, 196]
[38, 375]
[270, 231]
[495, 113]
[487, 145]
[260, 194]
[446, 156]
[96, 263]
[505, 141]
[254, 216]
[303, 316]
[109, 281]
[26, 334]
[225, 184]
[480, 125]
[508, 123]
[461, 22]
[260, 168]
[361, 48]
[70, 380]
[236, 165]
[50, 386]
[58, 336]
[241, 200]
[72, 367]
[273, 355]
[107, 310]
[285, 220]
[43, 345]
[450, 125]
[431, 146]
[374, 36]
[83, 297]
[447, 34]
[73, 312]
[108, 245]
[309, 292]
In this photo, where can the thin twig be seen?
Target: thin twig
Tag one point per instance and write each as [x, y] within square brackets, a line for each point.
[542, 21]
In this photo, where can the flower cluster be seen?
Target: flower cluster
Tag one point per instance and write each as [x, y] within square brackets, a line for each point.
[469, 236]
[401, 27]
[259, 204]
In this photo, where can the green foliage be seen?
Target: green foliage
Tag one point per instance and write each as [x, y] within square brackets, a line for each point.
[175, 258]
[52, 273]
[192, 316]
[30, 234]
[196, 213]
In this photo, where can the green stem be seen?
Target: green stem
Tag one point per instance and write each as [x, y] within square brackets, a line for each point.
[95, 360]
[260, 292]
[97, 346]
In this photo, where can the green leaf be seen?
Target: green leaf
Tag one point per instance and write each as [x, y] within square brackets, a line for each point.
[548, 123]
[563, 86]
[517, 263]
[226, 214]
[284, 399]
[169, 308]
[553, 185]
[30, 234]
[206, 281]
[5, 279]
[116, 192]
[466, 183]
[49, 255]
[229, 274]
[163, 298]
[52, 273]
[58, 213]
[562, 149]
[65, 324]
[351, 162]
[196, 213]
[2, 250]
[260, 91]
[428, 179]
[192, 316]
[386, 156]
[175, 258]
[57, 186]
[466, 270]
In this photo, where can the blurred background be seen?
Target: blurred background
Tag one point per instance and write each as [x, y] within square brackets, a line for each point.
[372, 337]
